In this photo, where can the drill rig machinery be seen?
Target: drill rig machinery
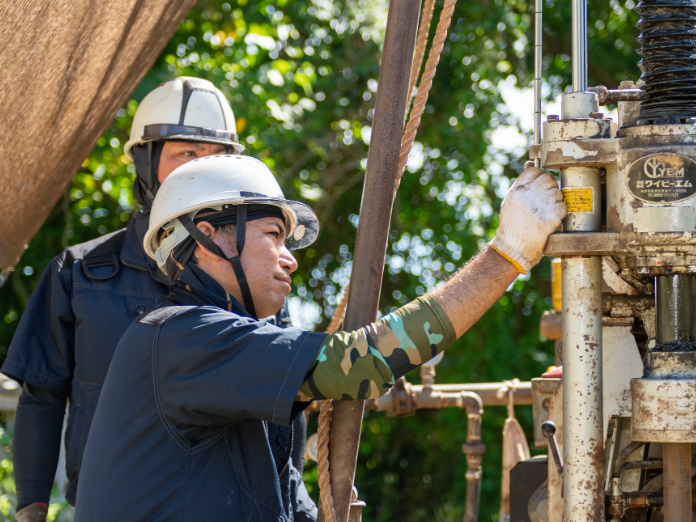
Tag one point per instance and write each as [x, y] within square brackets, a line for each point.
[623, 418]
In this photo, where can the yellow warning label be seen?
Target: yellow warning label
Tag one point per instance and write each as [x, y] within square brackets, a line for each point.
[579, 199]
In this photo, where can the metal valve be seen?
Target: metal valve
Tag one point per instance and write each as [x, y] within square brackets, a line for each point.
[549, 431]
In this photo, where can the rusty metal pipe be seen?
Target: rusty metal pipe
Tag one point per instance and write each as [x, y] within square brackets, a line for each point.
[642, 464]
[474, 450]
[605, 95]
[373, 229]
[636, 302]
[487, 391]
[626, 452]
[583, 448]
[677, 482]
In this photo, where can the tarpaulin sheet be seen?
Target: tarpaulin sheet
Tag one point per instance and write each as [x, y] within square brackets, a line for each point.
[66, 67]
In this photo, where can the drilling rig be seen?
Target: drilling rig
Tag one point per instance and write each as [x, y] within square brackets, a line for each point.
[621, 422]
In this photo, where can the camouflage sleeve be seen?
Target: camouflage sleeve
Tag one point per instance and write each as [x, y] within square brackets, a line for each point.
[365, 363]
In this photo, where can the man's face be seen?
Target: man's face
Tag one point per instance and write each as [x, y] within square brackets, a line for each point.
[267, 264]
[176, 153]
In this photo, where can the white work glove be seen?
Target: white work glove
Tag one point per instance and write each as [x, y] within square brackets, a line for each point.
[33, 513]
[531, 211]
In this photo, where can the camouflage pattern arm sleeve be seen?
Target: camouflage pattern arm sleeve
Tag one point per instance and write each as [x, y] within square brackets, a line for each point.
[365, 363]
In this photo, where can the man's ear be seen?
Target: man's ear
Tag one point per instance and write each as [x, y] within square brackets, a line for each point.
[201, 251]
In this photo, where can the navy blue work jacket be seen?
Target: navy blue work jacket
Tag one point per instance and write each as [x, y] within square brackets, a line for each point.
[181, 431]
[85, 300]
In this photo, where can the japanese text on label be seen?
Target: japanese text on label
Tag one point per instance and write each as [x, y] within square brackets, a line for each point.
[579, 199]
[662, 177]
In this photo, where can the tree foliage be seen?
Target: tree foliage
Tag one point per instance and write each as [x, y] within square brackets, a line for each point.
[301, 77]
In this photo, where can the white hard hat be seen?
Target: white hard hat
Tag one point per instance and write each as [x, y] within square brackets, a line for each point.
[184, 109]
[218, 182]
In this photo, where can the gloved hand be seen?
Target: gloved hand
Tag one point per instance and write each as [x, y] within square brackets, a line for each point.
[531, 210]
[33, 513]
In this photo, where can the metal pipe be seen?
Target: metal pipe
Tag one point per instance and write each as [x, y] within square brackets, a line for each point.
[674, 309]
[677, 482]
[674, 324]
[605, 95]
[642, 464]
[579, 58]
[474, 450]
[487, 391]
[373, 229]
[538, 57]
[626, 452]
[583, 448]
[583, 441]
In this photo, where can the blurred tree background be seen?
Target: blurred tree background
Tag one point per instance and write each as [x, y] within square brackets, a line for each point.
[301, 77]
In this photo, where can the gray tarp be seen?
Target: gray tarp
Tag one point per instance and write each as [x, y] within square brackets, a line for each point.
[66, 67]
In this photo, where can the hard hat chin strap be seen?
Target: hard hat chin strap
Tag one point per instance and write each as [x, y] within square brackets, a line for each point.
[146, 159]
[235, 261]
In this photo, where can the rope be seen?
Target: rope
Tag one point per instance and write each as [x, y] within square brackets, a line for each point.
[421, 42]
[326, 507]
[327, 512]
[337, 318]
[426, 84]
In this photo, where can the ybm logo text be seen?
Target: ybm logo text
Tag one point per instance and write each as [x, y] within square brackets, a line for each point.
[654, 168]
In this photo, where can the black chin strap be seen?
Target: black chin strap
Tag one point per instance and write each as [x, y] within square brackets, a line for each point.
[236, 262]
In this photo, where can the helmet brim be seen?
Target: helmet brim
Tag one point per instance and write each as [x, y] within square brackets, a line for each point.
[301, 221]
[238, 147]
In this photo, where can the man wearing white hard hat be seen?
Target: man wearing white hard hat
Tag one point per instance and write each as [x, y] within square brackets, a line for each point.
[90, 293]
[208, 382]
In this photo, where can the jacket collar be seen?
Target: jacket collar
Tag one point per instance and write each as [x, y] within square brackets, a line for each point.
[133, 253]
[200, 288]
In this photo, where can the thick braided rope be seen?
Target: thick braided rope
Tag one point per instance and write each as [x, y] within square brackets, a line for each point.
[326, 506]
[327, 513]
[426, 84]
[338, 313]
[421, 42]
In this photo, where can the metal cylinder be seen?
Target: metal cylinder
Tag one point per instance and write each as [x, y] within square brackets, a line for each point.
[583, 448]
[674, 302]
[677, 482]
[579, 105]
[538, 62]
[582, 191]
[579, 49]
[674, 324]
[664, 401]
